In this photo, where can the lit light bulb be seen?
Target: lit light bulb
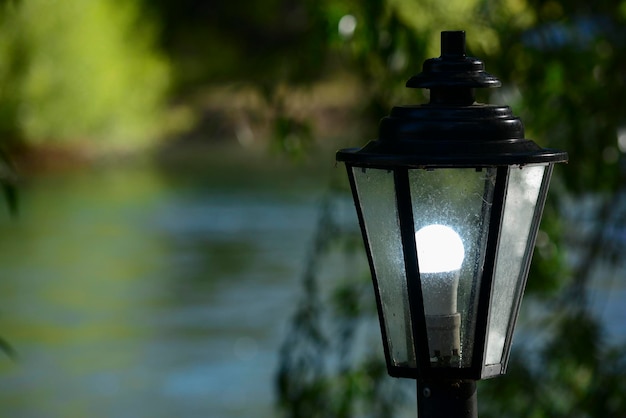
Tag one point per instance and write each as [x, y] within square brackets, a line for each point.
[439, 249]
[440, 254]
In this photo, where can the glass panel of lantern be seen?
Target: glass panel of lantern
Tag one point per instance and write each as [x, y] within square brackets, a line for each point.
[451, 214]
[523, 206]
[377, 202]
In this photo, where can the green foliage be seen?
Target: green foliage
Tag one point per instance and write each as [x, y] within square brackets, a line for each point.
[568, 378]
[9, 190]
[292, 137]
[7, 349]
[71, 70]
[8, 180]
[264, 42]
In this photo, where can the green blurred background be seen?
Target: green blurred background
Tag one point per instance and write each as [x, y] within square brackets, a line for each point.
[183, 244]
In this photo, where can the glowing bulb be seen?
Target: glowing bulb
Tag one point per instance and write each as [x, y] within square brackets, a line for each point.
[439, 249]
[440, 255]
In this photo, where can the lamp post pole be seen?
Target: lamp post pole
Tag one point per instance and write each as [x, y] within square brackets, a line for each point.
[447, 399]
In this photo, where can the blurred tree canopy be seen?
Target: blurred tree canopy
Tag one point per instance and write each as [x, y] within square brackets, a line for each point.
[71, 70]
[253, 41]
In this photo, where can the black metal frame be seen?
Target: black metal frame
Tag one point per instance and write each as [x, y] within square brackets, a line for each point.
[486, 283]
[414, 288]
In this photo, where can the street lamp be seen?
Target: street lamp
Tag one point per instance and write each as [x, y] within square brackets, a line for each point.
[449, 199]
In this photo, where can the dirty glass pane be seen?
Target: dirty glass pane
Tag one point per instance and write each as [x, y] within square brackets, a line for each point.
[451, 210]
[515, 250]
[377, 198]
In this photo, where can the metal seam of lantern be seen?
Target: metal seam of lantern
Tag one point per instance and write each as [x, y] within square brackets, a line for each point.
[449, 199]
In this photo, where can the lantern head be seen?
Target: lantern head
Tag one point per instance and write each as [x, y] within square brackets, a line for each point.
[449, 199]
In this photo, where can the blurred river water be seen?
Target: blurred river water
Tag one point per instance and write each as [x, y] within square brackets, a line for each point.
[137, 292]
[146, 292]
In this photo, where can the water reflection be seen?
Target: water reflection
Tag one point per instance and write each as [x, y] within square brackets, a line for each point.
[128, 294]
